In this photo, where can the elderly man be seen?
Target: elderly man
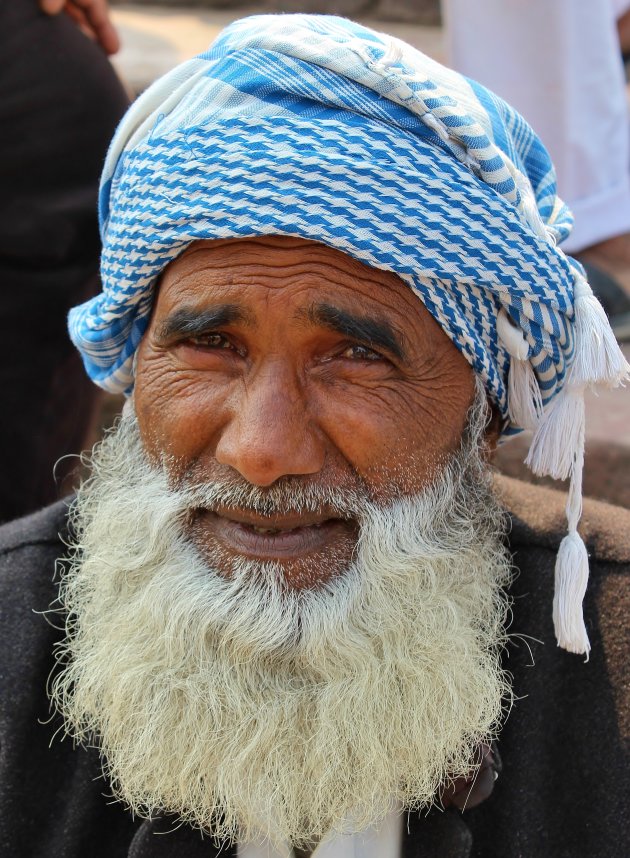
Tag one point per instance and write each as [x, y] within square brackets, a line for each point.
[286, 621]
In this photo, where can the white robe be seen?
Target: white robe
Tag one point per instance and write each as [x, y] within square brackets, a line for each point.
[558, 62]
[380, 841]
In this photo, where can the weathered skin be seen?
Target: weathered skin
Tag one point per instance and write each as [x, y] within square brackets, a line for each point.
[278, 393]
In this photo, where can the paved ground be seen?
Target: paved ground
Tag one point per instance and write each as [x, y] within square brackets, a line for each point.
[156, 39]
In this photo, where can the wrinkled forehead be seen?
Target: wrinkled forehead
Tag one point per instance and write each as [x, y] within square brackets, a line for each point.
[307, 278]
[287, 253]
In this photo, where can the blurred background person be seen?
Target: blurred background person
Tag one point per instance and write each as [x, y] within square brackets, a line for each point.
[559, 63]
[60, 101]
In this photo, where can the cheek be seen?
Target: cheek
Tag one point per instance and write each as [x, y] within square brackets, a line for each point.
[179, 413]
[398, 438]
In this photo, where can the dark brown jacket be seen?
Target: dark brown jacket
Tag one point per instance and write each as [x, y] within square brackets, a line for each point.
[565, 787]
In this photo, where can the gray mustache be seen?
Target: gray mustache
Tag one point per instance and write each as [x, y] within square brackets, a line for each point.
[282, 498]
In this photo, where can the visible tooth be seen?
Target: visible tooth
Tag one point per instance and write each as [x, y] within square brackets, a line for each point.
[258, 529]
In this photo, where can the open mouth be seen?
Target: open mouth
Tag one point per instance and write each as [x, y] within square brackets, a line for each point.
[274, 530]
[280, 538]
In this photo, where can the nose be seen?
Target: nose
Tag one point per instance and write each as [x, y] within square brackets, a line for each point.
[269, 433]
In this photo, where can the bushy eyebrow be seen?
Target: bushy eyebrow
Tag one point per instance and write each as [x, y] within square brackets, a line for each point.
[367, 330]
[191, 322]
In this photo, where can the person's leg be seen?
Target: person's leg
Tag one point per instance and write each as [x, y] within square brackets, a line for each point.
[559, 64]
[60, 102]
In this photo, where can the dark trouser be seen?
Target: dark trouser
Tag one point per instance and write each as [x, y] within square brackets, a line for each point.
[60, 101]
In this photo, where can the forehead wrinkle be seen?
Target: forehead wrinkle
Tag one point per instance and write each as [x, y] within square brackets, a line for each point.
[325, 268]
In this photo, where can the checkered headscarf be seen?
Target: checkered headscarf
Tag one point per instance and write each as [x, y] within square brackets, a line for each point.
[318, 127]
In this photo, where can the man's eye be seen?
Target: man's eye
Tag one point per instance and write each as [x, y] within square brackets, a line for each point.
[360, 353]
[211, 341]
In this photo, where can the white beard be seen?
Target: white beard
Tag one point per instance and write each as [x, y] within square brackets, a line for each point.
[252, 710]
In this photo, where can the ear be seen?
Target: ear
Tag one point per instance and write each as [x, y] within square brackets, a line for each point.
[493, 427]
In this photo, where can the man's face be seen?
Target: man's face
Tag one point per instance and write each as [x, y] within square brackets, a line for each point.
[287, 616]
[276, 357]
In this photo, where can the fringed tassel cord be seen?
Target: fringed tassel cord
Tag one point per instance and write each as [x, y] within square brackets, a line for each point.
[555, 443]
[524, 397]
[557, 448]
[571, 576]
[598, 358]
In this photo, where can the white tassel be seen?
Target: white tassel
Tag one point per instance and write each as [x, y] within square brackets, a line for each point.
[571, 576]
[524, 398]
[525, 404]
[598, 358]
[556, 440]
[557, 450]
[570, 586]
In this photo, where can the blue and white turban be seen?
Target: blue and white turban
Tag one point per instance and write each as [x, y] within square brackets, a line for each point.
[317, 127]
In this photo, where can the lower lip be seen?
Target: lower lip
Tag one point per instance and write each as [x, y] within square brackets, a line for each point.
[285, 544]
